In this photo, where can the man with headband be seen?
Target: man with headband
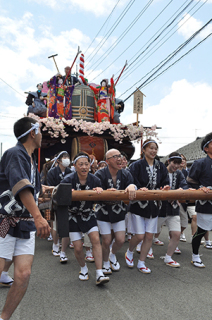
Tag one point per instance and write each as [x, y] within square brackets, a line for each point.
[19, 214]
[200, 177]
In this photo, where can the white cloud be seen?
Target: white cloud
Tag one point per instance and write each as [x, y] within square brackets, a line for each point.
[189, 25]
[183, 113]
[98, 7]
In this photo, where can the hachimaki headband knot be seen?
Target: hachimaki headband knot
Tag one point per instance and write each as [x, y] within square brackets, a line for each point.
[35, 126]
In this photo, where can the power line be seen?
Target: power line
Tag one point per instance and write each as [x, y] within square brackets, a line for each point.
[11, 87]
[134, 41]
[138, 63]
[178, 60]
[102, 26]
[106, 54]
[114, 26]
[170, 57]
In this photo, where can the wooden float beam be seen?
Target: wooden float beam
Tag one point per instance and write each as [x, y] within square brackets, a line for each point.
[181, 195]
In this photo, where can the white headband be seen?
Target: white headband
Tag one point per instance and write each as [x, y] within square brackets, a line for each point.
[175, 157]
[55, 159]
[148, 143]
[102, 162]
[35, 126]
[205, 145]
[92, 162]
[75, 160]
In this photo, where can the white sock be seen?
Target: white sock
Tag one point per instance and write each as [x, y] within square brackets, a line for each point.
[88, 253]
[99, 273]
[196, 257]
[112, 257]
[156, 239]
[130, 254]
[150, 251]
[141, 264]
[207, 242]
[168, 258]
[84, 269]
[55, 247]
[106, 264]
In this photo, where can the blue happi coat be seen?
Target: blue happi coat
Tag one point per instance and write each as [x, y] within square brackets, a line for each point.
[82, 212]
[200, 175]
[143, 177]
[113, 211]
[171, 208]
[15, 176]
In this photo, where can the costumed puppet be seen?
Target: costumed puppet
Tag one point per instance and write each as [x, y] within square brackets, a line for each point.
[105, 101]
[35, 101]
[59, 98]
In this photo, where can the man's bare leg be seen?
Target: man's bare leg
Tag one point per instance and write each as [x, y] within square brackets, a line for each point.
[22, 271]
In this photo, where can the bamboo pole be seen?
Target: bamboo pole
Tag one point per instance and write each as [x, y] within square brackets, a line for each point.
[181, 195]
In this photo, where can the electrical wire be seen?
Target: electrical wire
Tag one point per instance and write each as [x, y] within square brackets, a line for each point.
[114, 26]
[127, 74]
[124, 33]
[171, 57]
[12, 87]
[134, 41]
[102, 26]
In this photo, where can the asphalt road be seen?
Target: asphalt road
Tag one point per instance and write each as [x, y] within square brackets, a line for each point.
[55, 292]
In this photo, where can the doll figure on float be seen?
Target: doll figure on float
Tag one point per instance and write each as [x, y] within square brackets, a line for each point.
[105, 101]
[35, 102]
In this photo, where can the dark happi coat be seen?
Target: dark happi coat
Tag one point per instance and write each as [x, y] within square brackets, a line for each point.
[81, 213]
[55, 175]
[143, 177]
[15, 176]
[171, 208]
[200, 175]
[113, 211]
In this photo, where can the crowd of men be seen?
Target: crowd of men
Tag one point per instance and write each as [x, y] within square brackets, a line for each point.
[103, 225]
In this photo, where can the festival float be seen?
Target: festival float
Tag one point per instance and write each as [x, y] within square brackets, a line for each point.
[82, 116]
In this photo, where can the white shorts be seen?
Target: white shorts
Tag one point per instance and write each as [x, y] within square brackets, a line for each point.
[105, 227]
[183, 217]
[11, 247]
[204, 221]
[191, 211]
[141, 225]
[74, 236]
[172, 222]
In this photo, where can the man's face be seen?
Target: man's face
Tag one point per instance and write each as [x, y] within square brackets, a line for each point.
[124, 162]
[114, 160]
[82, 167]
[40, 87]
[67, 69]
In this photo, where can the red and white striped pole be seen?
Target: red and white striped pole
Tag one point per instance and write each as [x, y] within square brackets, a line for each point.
[81, 69]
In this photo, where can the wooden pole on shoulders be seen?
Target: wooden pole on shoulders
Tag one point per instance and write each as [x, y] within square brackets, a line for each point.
[181, 195]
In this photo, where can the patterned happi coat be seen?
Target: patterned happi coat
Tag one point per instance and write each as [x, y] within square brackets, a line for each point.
[143, 177]
[113, 211]
[171, 208]
[81, 213]
[16, 174]
[200, 175]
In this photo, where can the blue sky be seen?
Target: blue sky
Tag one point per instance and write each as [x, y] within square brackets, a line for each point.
[179, 101]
